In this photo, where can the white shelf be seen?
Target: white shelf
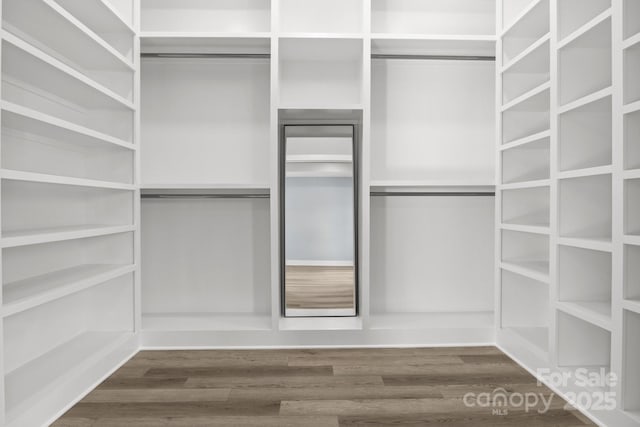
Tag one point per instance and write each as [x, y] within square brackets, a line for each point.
[431, 186]
[632, 140]
[57, 234]
[587, 172]
[98, 15]
[527, 71]
[586, 100]
[534, 57]
[572, 17]
[205, 322]
[632, 206]
[631, 71]
[526, 184]
[320, 35]
[319, 158]
[582, 343]
[597, 313]
[536, 270]
[632, 240]
[205, 42]
[527, 115]
[444, 320]
[25, 64]
[27, 120]
[532, 96]
[631, 42]
[602, 244]
[320, 16]
[25, 294]
[435, 44]
[530, 26]
[537, 338]
[527, 207]
[28, 384]
[630, 370]
[584, 60]
[634, 107]
[545, 134]
[631, 305]
[319, 323]
[527, 163]
[534, 229]
[585, 28]
[631, 24]
[206, 186]
[631, 272]
[13, 175]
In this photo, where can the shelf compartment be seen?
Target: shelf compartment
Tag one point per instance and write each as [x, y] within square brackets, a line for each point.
[415, 140]
[526, 251]
[319, 16]
[632, 140]
[41, 355]
[192, 134]
[631, 354]
[528, 117]
[527, 162]
[445, 45]
[632, 272]
[219, 43]
[525, 309]
[320, 72]
[586, 207]
[585, 136]
[631, 73]
[582, 344]
[58, 234]
[632, 206]
[227, 242]
[398, 276]
[31, 206]
[529, 206]
[531, 26]
[527, 71]
[536, 270]
[34, 80]
[226, 16]
[461, 17]
[205, 322]
[104, 20]
[584, 278]
[574, 14]
[61, 35]
[584, 62]
[631, 23]
[20, 176]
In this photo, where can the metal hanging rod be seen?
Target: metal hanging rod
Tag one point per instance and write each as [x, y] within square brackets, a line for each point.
[433, 194]
[205, 196]
[205, 55]
[433, 57]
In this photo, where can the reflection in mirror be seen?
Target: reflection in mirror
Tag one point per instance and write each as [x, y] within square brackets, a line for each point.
[319, 221]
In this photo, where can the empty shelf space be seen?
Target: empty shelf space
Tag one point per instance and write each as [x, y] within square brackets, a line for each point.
[632, 140]
[528, 162]
[632, 206]
[597, 313]
[206, 322]
[226, 16]
[526, 252]
[536, 270]
[529, 206]
[443, 320]
[56, 234]
[205, 43]
[632, 305]
[631, 17]
[527, 115]
[631, 73]
[535, 229]
[532, 24]
[537, 338]
[575, 14]
[319, 16]
[436, 45]
[584, 61]
[631, 354]
[527, 71]
[585, 207]
[25, 385]
[465, 17]
[13, 175]
[28, 293]
[585, 135]
[632, 272]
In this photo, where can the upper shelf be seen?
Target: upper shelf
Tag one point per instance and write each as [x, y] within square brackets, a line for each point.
[528, 28]
[99, 15]
[445, 45]
[205, 42]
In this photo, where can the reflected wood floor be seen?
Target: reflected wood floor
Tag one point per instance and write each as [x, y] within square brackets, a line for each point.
[308, 387]
[320, 287]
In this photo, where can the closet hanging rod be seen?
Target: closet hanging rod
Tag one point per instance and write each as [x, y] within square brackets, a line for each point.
[205, 55]
[433, 57]
[433, 193]
[205, 196]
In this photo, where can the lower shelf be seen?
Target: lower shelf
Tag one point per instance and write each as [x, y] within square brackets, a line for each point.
[27, 384]
[206, 322]
[538, 337]
[595, 312]
[400, 321]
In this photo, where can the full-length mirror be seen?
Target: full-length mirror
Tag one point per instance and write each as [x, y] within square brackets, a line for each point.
[319, 193]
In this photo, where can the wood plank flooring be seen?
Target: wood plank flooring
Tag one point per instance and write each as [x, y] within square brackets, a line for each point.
[314, 387]
[312, 287]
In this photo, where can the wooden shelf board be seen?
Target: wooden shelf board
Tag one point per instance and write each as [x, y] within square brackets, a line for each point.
[580, 32]
[444, 320]
[14, 175]
[12, 239]
[536, 270]
[596, 313]
[30, 121]
[206, 322]
[28, 384]
[28, 293]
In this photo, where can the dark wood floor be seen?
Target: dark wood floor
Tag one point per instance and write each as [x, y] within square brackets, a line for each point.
[363, 387]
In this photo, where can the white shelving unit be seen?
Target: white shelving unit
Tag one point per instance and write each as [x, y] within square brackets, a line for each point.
[68, 201]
